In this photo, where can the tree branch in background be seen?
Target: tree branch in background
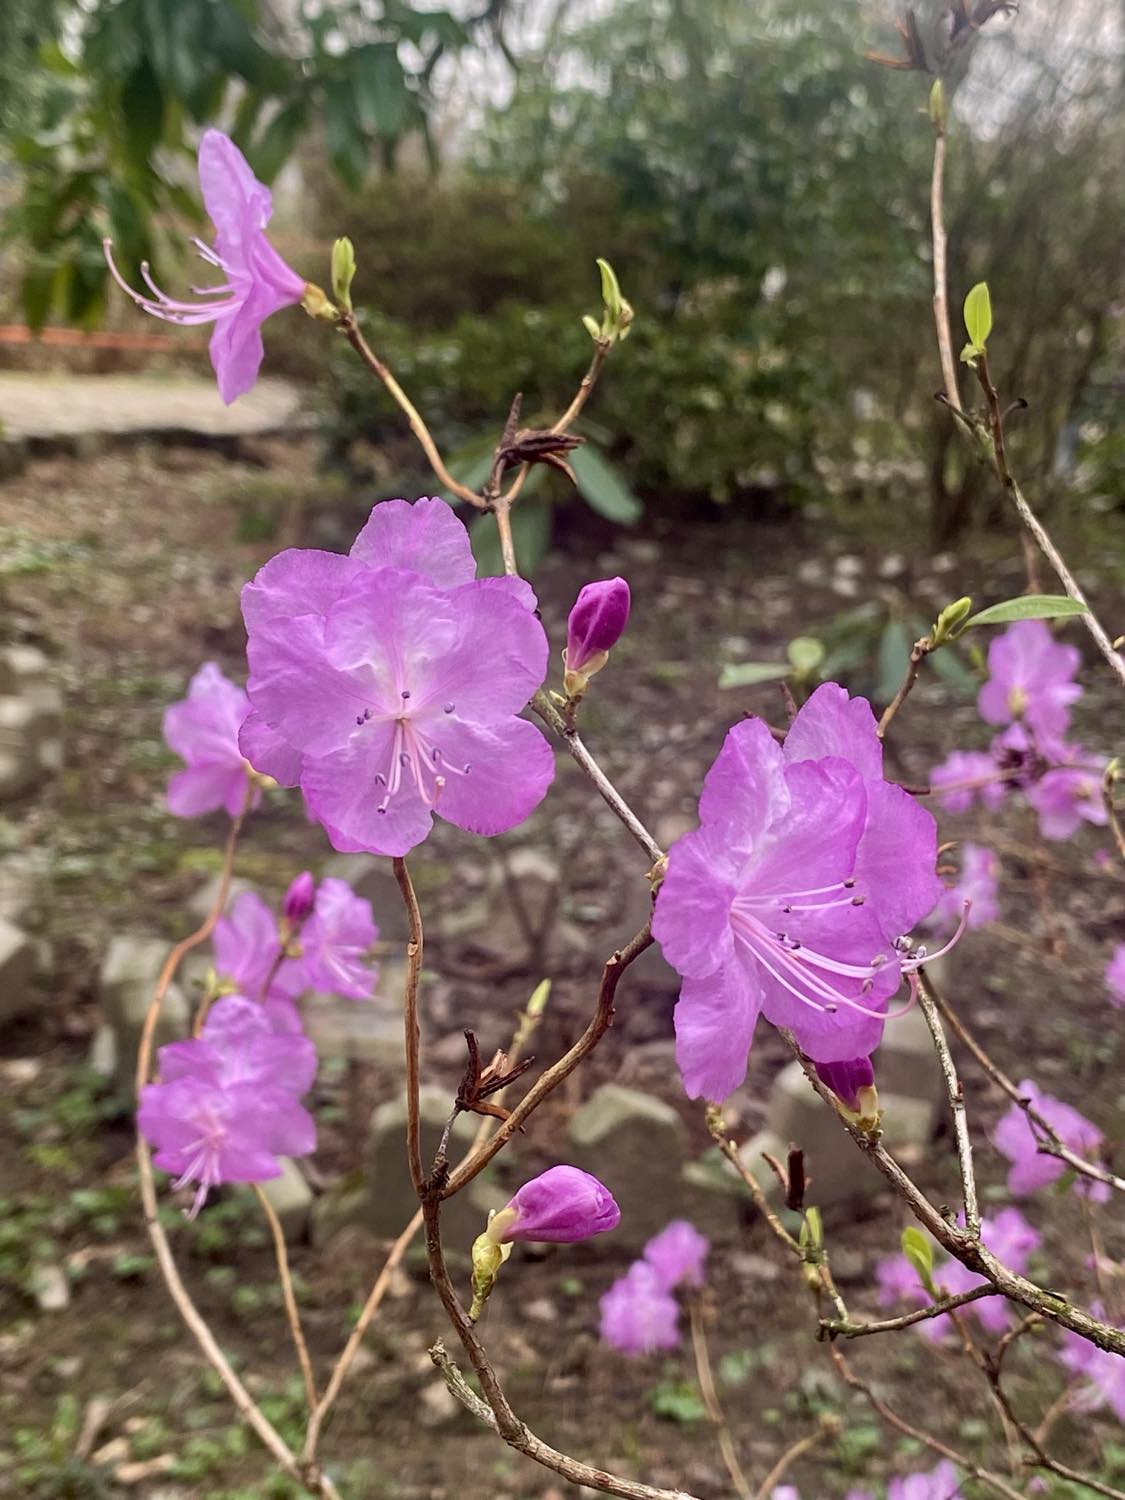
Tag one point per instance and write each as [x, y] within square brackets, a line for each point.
[711, 1401]
[411, 1028]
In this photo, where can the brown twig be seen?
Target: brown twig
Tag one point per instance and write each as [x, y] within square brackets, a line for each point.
[350, 329]
[1110, 778]
[1042, 1459]
[941, 294]
[955, 1094]
[315, 1482]
[550, 1079]
[836, 1328]
[711, 1398]
[918, 653]
[1050, 1143]
[573, 411]
[717, 1131]
[412, 1031]
[292, 1312]
[609, 794]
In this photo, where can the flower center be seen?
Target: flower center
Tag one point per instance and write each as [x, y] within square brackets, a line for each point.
[203, 1157]
[416, 763]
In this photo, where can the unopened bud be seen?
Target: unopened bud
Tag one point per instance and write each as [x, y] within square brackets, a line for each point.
[853, 1083]
[299, 898]
[595, 624]
[487, 1257]
[343, 271]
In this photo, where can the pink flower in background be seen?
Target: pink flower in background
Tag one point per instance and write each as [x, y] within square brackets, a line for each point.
[560, 1206]
[791, 897]
[395, 691]
[940, 1483]
[299, 898]
[638, 1314]
[1115, 977]
[897, 1281]
[246, 944]
[1033, 1169]
[1102, 1374]
[969, 774]
[677, 1254]
[976, 884]
[227, 1104]
[596, 622]
[203, 730]
[1069, 794]
[258, 282]
[1030, 678]
[334, 944]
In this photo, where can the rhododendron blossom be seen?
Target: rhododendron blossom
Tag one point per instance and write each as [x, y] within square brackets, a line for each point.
[792, 897]
[1031, 1168]
[328, 951]
[639, 1315]
[203, 730]
[258, 282]
[392, 678]
[965, 775]
[1102, 1374]
[560, 1206]
[1030, 678]
[974, 893]
[677, 1254]
[940, 1483]
[594, 626]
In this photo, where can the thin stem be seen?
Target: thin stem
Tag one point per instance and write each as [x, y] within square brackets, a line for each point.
[786, 1461]
[935, 1445]
[718, 1134]
[292, 1312]
[1043, 1459]
[582, 395]
[955, 1093]
[502, 510]
[711, 1398]
[549, 1080]
[918, 653]
[554, 720]
[309, 1475]
[351, 1348]
[504, 1419]
[941, 295]
[1051, 1143]
[412, 1031]
[350, 329]
[835, 1328]
[1113, 817]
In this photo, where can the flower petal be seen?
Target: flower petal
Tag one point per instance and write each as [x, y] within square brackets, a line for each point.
[715, 1019]
[510, 765]
[425, 537]
[831, 722]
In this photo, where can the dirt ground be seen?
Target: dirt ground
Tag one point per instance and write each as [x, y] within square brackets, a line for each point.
[125, 567]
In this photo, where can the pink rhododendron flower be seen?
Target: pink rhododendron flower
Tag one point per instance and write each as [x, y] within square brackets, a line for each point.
[246, 944]
[1102, 1374]
[1069, 794]
[258, 282]
[1030, 678]
[791, 897]
[969, 775]
[1033, 1169]
[560, 1206]
[203, 730]
[227, 1102]
[677, 1254]
[1115, 977]
[393, 678]
[638, 1314]
[977, 884]
[334, 944]
[897, 1281]
[940, 1483]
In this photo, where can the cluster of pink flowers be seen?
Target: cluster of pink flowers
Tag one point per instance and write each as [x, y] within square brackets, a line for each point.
[1010, 1238]
[793, 897]
[1030, 690]
[940, 1483]
[1101, 1375]
[975, 892]
[639, 1313]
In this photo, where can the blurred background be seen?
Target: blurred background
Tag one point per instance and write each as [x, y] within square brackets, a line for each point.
[764, 460]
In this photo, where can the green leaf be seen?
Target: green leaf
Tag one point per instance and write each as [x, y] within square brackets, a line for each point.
[343, 136]
[275, 145]
[894, 655]
[343, 270]
[806, 653]
[602, 487]
[380, 90]
[978, 315]
[531, 536]
[747, 673]
[611, 289]
[1027, 607]
[919, 1251]
[679, 1402]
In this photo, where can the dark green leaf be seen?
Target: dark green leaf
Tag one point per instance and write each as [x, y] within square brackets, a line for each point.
[343, 135]
[603, 488]
[894, 655]
[275, 145]
[1027, 607]
[379, 86]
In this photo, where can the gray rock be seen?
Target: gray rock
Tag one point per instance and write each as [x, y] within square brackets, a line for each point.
[370, 1030]
[50, 1288]
[128, 977]
[17, 966]
[30, 744]
[637, 1146]
[22, 665]
[906, 1062]
[373, 879]
[291, 1199]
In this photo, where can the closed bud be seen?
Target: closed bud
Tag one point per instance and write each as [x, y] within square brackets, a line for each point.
[946, 625]
[343, 271]
[560, 1206]
[299, 898]
[853, 1083]
[599, 616]
[487, 1257]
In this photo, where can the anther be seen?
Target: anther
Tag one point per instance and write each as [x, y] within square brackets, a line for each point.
[849, 884]
[858, 900]
[405, 693]
[447, 708]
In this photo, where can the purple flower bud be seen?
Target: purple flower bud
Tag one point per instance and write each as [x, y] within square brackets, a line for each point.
[299, 899]
[559, 1206]
[848, 1080]
[596, 623]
